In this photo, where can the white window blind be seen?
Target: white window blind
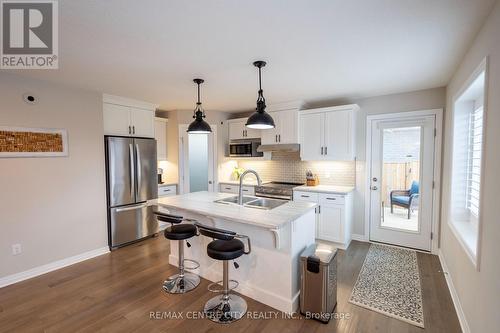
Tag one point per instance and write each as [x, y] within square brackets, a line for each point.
[474, 160]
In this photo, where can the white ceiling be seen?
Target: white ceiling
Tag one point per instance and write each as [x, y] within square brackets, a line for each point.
[316, 50]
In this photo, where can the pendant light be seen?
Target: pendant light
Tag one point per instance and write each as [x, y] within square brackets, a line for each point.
[199, 126]
[260, 119]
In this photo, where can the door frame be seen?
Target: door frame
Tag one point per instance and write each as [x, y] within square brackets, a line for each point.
[183, 154]
[436, 209]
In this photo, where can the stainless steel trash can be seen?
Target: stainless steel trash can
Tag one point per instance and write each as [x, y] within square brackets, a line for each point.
[318, 290]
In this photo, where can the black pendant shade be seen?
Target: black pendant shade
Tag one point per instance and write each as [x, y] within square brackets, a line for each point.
[199, 126]
[260, 119]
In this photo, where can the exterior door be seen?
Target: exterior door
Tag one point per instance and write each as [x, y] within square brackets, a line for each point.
[401, 181]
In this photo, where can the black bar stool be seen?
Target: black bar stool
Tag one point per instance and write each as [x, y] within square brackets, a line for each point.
[183, 281]
[226, 307]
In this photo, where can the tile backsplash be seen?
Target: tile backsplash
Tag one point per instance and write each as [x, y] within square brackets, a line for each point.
[288, 167]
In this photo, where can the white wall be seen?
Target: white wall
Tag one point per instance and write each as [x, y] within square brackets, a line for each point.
[54, 207]
[478, 292]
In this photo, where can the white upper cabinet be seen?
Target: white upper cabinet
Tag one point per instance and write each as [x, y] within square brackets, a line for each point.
[238, 130]
[116, 119]
[161, 138]
[311, 134]
[328, 133]
[142, 122]
[339, 135]
[127, 117]
[286, 119]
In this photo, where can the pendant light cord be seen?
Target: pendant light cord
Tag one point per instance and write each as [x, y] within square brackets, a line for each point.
[198, 94]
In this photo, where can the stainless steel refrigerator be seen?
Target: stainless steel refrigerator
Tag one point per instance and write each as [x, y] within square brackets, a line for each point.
[131, 181]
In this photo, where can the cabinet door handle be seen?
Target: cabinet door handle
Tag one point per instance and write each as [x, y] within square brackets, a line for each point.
[276, 138]
[129, 129]
[321, 150]
[279, 137]
[319, 209]
[326, 150]
[133, 129]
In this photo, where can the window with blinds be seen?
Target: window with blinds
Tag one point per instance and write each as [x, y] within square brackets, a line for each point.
[474, 161]
[464, 210]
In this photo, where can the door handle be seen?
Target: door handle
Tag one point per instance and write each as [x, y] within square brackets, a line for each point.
[124, 209]
[321, 150]
[138, 159]
[129, 129]
[326, 150]
[374, 188]
[133, 129]
[276, 138]
[132, 170]
[279, 137]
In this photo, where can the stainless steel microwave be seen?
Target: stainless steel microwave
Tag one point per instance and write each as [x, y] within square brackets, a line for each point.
[244, 148]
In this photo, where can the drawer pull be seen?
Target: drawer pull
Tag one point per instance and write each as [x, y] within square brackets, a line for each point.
[227, 188]
[166, 190]
[245, 190]
[304, 196]
[331, 198]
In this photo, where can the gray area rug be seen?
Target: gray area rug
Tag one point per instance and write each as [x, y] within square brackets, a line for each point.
[389, 283]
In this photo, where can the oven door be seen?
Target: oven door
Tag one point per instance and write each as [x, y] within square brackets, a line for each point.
[240, 149]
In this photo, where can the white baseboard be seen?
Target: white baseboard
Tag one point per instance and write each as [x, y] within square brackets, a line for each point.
[358, 237]
[31, 273]
[454, 295]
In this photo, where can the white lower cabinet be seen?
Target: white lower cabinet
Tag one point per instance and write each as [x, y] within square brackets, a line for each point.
[167, 191]
[333, 215]
[330, 223]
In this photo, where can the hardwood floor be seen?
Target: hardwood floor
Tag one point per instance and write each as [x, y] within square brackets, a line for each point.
[118, 291]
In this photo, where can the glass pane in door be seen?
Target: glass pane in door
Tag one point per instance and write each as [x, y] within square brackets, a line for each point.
[400, 186]
[198, 162]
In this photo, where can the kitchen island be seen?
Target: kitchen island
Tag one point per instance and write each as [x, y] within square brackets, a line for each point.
[270, 273]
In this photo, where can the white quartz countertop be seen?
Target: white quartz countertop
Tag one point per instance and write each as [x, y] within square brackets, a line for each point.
[331, 189]
[203, 203]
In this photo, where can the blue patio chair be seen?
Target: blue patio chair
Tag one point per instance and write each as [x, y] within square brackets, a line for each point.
[406, 198]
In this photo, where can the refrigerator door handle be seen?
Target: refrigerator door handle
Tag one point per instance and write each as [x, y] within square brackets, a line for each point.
[132, 170]
[124, 209]
[139, 167]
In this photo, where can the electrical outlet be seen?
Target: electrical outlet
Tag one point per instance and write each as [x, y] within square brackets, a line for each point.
[16, 249]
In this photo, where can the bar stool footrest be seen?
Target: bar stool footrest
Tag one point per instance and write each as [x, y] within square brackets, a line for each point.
[194, 262]
[212, 287]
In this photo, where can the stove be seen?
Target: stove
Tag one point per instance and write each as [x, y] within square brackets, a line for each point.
[276, 190]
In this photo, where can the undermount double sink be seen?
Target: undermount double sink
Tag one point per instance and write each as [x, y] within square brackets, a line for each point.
[253, 202]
